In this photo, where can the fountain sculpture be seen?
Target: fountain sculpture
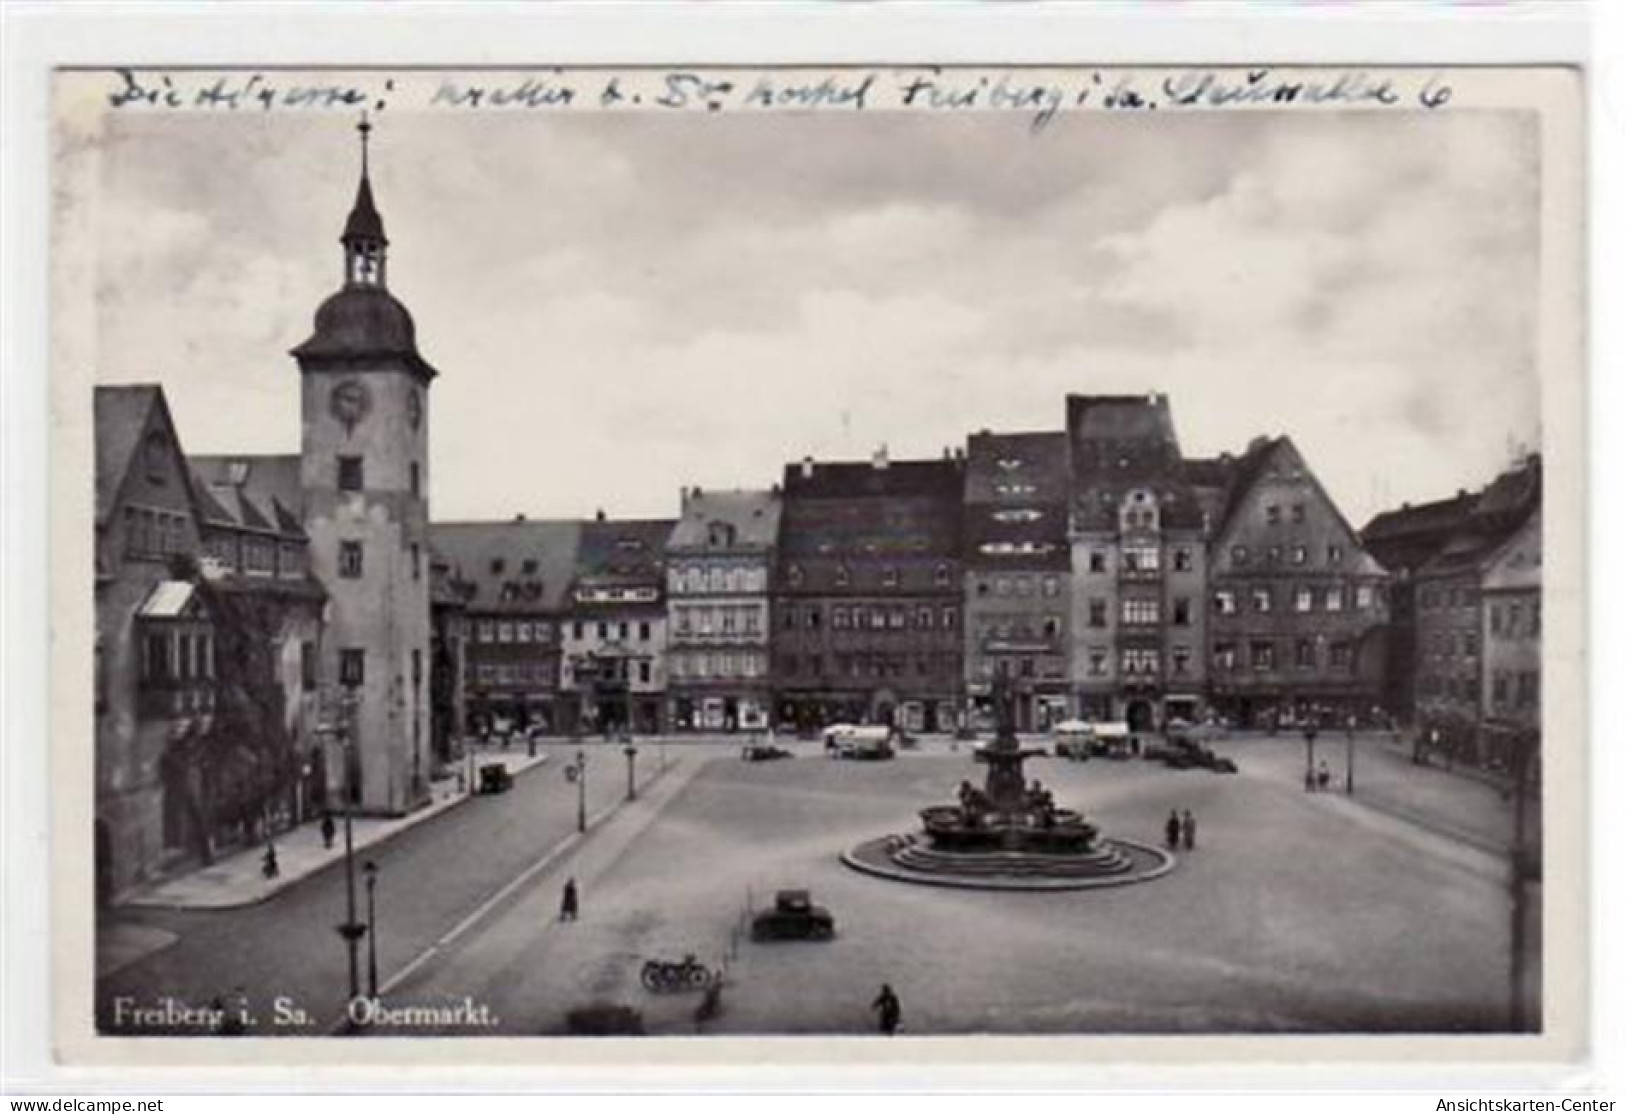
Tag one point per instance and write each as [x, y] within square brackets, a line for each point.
[1008, 834]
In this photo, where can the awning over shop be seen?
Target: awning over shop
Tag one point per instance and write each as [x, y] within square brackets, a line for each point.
[169, 599]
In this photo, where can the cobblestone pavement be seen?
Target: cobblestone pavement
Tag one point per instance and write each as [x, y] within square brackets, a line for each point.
[1297, 911]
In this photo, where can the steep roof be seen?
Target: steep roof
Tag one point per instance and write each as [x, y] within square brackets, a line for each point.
[868, 509]
[1126, 436]
[1041, 460]
[256, 491]
[753, 517]
[520, 565]
[120, 414]
[364, 221]
[623, 550]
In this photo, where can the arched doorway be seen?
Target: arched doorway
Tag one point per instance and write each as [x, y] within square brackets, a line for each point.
[1140, 716]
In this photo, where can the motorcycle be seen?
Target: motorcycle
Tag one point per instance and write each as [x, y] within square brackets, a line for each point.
[665, 977]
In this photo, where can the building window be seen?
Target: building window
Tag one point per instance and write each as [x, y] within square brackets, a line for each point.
[645, 671]
[644, 632]
[843, 577]
[1303, 600]
[1498, 689]
[1052, 586]
[1263, 600]
[1306, 654]
[1363, 597]
[1141, 558]
[351, 476]
[1224, 601]
[307, 665]
[1334, 555]
[1182, 611]
[1141, 611]
[1297, 512]
[923, 618]
[942, 576]
[350, 559]
[352, 668]
[889, 577]
[1180, 656]
[1097, 613]
[1300, 555]
[1263, 654]
[1238, 555]
[1224, 655]
[1272, 514]
[1342, 655]
[1097, 560]
[603, 631]
[949, 618]
[625, 631]
[1097, 662]
[1140, 662]
[1182, 559]
[416, 480]
[417, 562]
[521, 632]
[1334, 599]
[793, 576]
[504, 632]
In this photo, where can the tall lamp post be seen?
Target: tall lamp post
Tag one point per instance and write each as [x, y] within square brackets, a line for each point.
[577, 772]
[1348, 784]
[631, 753]
[371, 870]
[351, 930]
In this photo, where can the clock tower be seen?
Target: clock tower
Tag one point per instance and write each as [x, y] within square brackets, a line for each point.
[364, 470]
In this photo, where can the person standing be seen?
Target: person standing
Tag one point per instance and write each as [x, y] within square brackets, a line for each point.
[1323, 776]
[329, 829]
[1188, 827]
[268, 864]
[1171, 830]
[570, 906]
[889, 1009]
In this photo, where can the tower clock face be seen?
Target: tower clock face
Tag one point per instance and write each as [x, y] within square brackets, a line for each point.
[350, 402]
[414, 409]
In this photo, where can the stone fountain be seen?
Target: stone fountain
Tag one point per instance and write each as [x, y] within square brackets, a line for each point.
[1007, 834]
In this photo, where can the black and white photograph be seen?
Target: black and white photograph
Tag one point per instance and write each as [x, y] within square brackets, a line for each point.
[874, 552]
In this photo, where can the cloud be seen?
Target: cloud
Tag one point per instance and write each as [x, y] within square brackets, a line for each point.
[621, 304]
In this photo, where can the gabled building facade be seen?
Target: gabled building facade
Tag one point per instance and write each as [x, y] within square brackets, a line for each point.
[1137, 535]
[1017, 569]
[868, 594]
[614, 644]
[719, 567]
[1298, 608]
[513, 579]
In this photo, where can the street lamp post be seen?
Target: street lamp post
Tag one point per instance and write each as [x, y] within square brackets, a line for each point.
[631, 753]
[581, 791]
[371, 870]
[1348, 784]
[351, 930]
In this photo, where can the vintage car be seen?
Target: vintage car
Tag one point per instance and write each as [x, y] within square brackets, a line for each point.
[762, 752]
[864, 743]
[495, 778]
[793, 917]
[1185, 752]
[1112, 740]
[1074, 739]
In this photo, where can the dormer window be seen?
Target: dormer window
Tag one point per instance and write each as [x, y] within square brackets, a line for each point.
[842, 576]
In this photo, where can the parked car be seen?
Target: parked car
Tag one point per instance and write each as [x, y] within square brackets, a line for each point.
[866, 743]
[762, 752]
[495, 778]
[1112, 740]
[793, 917]
[1074, 739]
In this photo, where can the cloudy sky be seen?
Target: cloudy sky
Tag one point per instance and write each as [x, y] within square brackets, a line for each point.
[623, 304]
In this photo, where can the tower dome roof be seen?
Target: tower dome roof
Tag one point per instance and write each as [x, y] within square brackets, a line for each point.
[362, 323]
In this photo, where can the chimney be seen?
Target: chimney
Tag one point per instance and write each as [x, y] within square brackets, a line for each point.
[520, 517]
[599, 516]
[806, 467]
[880, 460]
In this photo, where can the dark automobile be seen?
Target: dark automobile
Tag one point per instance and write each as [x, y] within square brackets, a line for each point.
[793, 917]
[1185, 753]
[762, 752]
[495, 778]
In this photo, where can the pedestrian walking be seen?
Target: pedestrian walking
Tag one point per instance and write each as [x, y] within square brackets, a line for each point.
[1323, 776]
[1171, 830]
[328, 830]
[889, 1009]
[1188, 827]
[570, 906]
[268, 864]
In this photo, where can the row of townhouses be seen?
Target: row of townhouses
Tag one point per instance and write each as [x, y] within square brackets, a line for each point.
[279, 636]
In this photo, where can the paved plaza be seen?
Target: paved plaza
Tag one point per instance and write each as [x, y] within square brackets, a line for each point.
[1296, 912]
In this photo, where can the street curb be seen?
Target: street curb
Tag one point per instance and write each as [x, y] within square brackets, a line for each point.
[287, 883]
[343, 1026]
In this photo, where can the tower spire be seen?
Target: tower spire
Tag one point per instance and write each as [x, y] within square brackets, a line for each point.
[365, 128]
[364, 241]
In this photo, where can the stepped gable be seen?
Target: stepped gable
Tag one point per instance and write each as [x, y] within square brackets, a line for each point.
[518, 565]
